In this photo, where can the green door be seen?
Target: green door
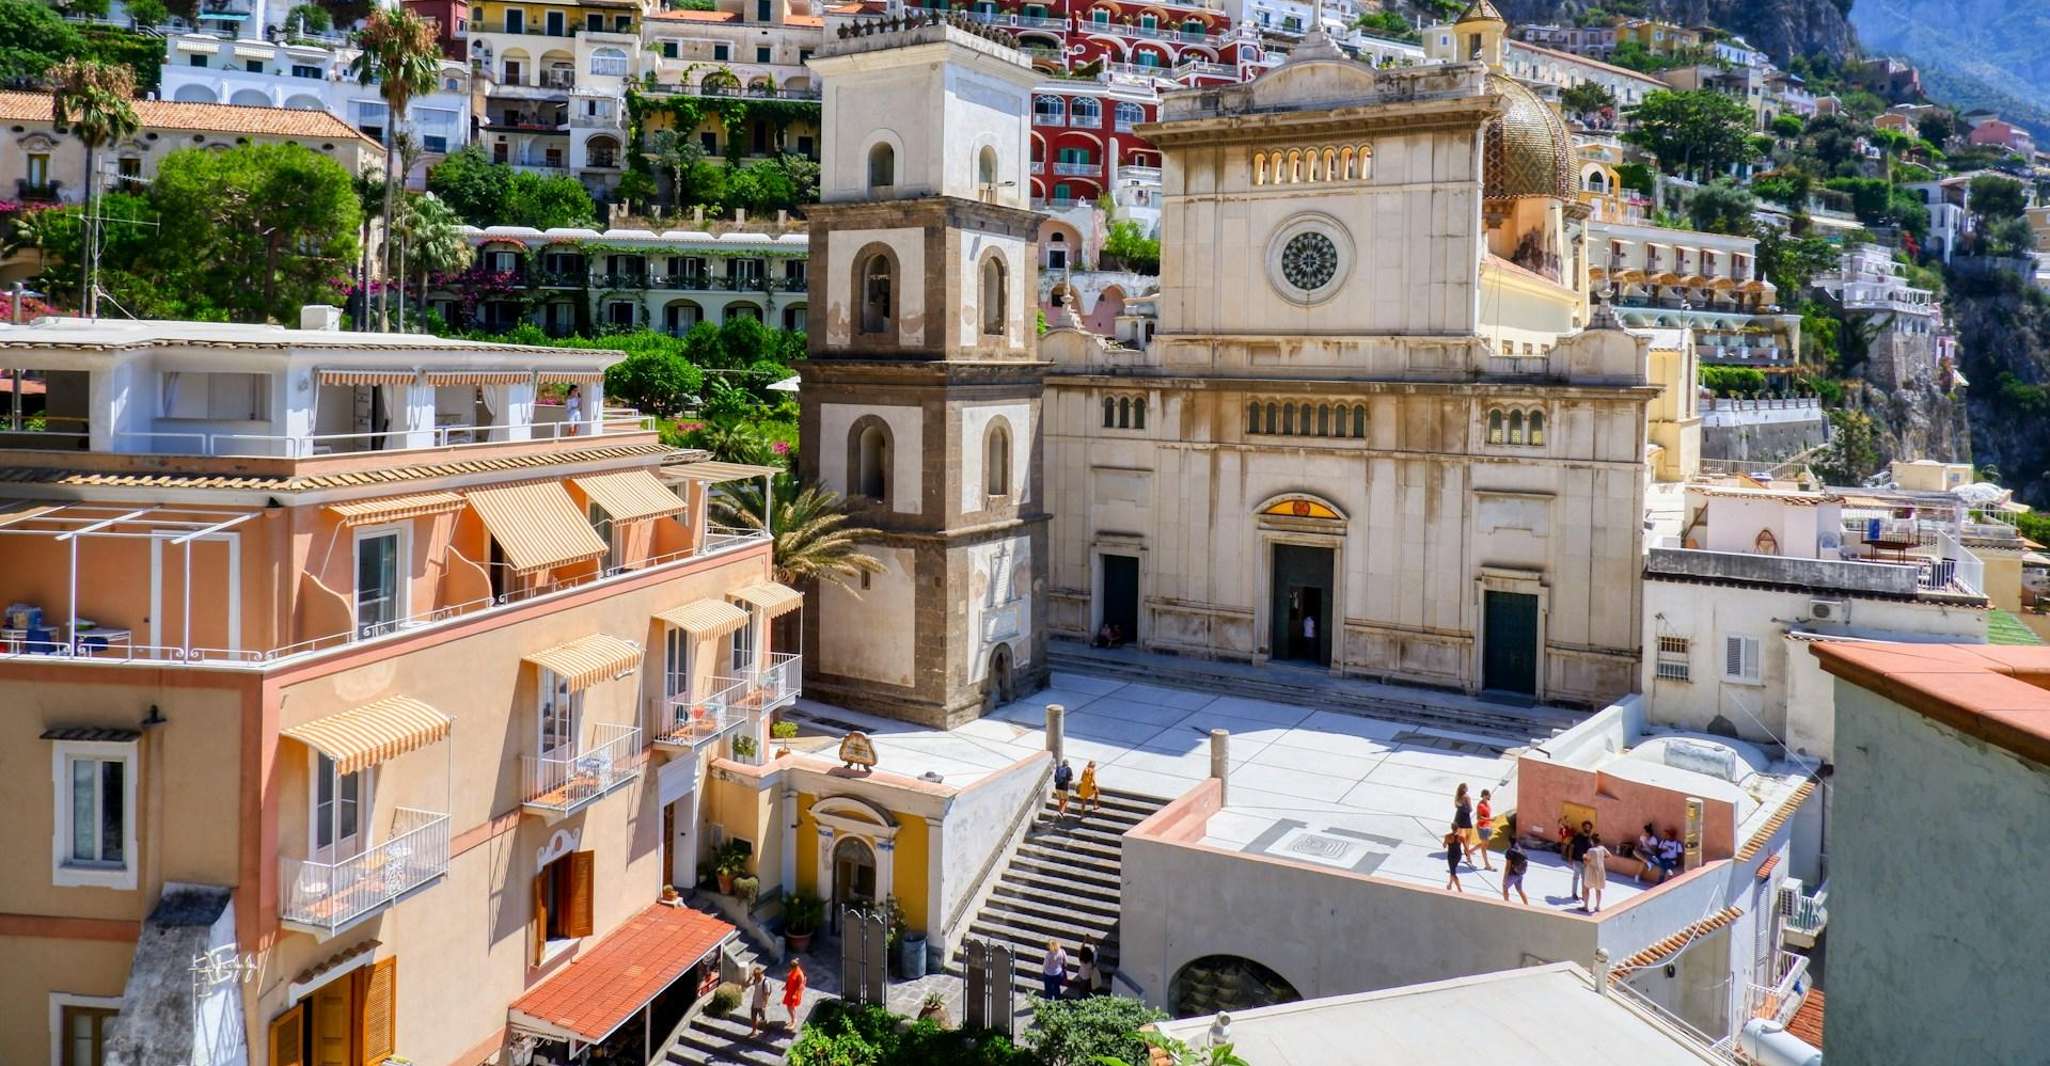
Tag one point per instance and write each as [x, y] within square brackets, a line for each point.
[1509, 654]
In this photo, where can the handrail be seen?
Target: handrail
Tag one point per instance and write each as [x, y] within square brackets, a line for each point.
[566, 782]
[694, 721]
[1656, 1014]
[331, 895]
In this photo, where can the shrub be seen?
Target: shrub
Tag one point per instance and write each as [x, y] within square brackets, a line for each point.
[724, 999]
[1080, 1032]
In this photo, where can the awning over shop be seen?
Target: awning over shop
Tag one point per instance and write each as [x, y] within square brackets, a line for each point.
[537, 525]
[570, 375]
[714, 471]
[772, 598]
[479, 377]
[372, 733]
[368, 377]
[630, 494]
[396, 508]
[705, 618]
[606, 984]
[585, 662]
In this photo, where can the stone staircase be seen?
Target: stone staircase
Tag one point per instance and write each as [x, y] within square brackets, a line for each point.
[724, 1041]
[1063, 884]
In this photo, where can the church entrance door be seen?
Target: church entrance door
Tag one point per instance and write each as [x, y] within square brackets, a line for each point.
[1509, 656]
[1300, 605]
[1121, 596]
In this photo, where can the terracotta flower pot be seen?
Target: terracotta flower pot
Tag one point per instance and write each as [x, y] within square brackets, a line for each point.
[725, 884]
[798, 942]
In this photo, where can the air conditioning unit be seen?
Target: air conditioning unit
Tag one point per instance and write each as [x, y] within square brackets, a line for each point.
[1829, 610]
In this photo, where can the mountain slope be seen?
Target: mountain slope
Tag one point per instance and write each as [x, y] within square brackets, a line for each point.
[1972, 53]
[1781, 28]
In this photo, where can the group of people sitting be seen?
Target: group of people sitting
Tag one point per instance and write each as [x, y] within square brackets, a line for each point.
[1663, 857]
[1109, 636]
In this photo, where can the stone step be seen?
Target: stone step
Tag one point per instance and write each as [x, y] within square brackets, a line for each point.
[1116, 803]
[1055, 832]
[1079, 845]
[1001, 903]
[1031, 883]
[1056, 864]
[725, 1040]
[1029, 934]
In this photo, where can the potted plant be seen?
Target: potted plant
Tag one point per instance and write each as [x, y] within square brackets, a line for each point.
[729, 862]
[724, 999]
[934, 1009]
[747, 887]
[801, 916]
[744, 747]
[783, 732]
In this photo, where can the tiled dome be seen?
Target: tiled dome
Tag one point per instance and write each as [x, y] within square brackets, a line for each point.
[1529, 152]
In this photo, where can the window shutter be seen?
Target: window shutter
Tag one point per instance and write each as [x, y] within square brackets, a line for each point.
[380, 1005]
[540, 915]
[1733, 656]
[580, 864]
[288, 1038]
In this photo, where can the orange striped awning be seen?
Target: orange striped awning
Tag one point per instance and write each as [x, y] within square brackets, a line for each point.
[374, 732]
[772, 598]
[710, 471]
[705, 618]
[570, 375]
[368, 377]
[537, 525]
[396, 508]
[479, 377]
[630, 494]
[588, 660]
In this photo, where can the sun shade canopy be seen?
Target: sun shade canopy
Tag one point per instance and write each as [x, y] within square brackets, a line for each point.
[396, 508]
[772, 598]
[374, 732]
[537, 525]
[585, 662]
[630, 494]
[705, 618]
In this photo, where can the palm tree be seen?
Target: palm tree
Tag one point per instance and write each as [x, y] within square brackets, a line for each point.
[402, 57]
[93, 99]
[432, 232]
[812, 540]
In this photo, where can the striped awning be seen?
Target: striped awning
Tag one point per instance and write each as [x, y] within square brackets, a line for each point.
[712, 471]
[630, 494]
[570, 375]
[537, 525]
[585, 662]
[372, 733]
[396, 508]
[368, 377]
[251, 51]
[705, 618]
[479, 377]
[773, 599]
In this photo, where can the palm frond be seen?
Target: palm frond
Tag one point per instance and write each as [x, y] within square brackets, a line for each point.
[812, 541]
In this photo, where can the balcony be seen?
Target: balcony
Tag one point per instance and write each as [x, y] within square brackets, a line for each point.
[739, 92]
[1078, 170]
[1039, 166]
[1049, 118]
[524, 30]
[688, 724]
[37, 192]
[324, 898]
[778, 683]
[557, 785]
[1023, 22]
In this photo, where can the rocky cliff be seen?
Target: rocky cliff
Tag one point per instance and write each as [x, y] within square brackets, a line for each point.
[1781, 28]
[2004, 343]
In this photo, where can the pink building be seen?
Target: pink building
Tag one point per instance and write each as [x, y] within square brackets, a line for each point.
[2005, 134]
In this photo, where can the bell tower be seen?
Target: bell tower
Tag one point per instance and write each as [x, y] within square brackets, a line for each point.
[920, 401]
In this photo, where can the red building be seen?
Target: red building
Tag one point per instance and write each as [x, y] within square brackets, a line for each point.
[451, 23]
[1080, 129]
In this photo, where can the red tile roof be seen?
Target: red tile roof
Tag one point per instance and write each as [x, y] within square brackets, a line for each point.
[1807, 1020]
[1675, 943]
[626, 968]
[695, 16]
[1766, 868]
[207, 118]
[1999, 694]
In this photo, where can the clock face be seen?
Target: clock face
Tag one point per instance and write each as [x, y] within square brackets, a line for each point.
[1309, 261]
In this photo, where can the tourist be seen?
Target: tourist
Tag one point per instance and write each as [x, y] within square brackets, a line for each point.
[1576, 854]
[1454, 849]
[1462, 822]
[1514, 863]
[1085, 791]
[1055, 972]
[1106, 634]
[1596, 860]
[1672, 853]
[1085, 969]
[1648, 854]
[758, 1000]
[573, 408]
[1484, 825]
[793, 991]
[1310, 636]
[1063, 779]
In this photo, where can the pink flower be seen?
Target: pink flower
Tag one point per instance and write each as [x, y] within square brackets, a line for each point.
[780, 448]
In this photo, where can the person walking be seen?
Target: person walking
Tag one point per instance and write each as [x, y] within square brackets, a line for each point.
[1597, 862]
[1462, 822]
[757, 1000]
[1484, 824]
[1576, 854]
[1085, 968]
[1514, 863]
[1455, 849]
[1063, 780]
[1085, 790]
[1054, 973]
[1310, 637]
[793, 992]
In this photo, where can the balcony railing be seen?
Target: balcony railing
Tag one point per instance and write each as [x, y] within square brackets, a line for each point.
[1803, 917]
[327, 897]
[1049, 118]
[689, 723]
[559, 784]
[747, 92]
[1028, 22]
[1039, 166]
[776, 684]
[1078, 170]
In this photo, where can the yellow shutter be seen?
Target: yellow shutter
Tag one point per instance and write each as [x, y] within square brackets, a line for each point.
[580, 864]
[288, 1038]
[540, 915]
[380, 1007]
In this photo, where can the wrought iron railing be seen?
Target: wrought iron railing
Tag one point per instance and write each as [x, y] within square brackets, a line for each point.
[563, 783]
[330, 896]
[689, 722]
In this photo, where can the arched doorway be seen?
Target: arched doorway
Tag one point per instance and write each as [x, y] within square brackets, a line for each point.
[854, 875]
[998, 688]
[1226, 983]
[1302, 534]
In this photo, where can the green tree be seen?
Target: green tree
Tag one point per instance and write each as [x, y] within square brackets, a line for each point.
[1180, 1053]
[546, 203]
[636, 187]
[1081, 1032]
[1937, 127]
[1587, 98]
[656, 379]
[1390, 25]
[813, 541]
[1130, 248]
[309, 18]
[1692, 131]
[147, 13]
[2011, 237]
[1788, 126]
[402, 57]
[485, 193]
[1791, 262]
[254, 232]
[93, 100]
[1994, 197]
[431, 239]
[1851, 455]
[33, 38]
[1722, 206]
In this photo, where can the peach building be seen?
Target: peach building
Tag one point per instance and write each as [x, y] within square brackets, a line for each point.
[348, 666]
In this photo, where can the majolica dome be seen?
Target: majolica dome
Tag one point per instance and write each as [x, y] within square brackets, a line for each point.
[1529, 152]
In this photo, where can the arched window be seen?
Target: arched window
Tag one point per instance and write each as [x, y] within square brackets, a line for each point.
[1288, 420]
[1259, 168]
[1129, 114]
[1366, 158]
[1273, 418]
[1110, 413]
[608, 62]
[994, 292]
[1345, 161]
[1295, 165]
[1086, 113]
[1516, 427]
[1057, 252]
[1330, 162]
[996, 459]
[1537, 427]
[1124, 412]
[877, 297]
[1049, 109]
[1494, 427]
[872, 462]
[1280, 162]
[882, 166]
[1139, 413]
[1766, 543]
[986, 165]
[1359, 421]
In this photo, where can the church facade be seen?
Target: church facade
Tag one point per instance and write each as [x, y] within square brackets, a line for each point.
[1375, 433]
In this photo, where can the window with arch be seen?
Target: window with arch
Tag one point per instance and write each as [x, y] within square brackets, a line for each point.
[996, 459]
[1085, 112]
[1139, 413]
[882, 166]
[1535, 428]
[869, 461]
[1515, 426]
[1124, 412]
[1765, 543]
[1359, 421]
[994, 292]
[1129, 115]
[1110, 412]
[878, 282]
[1494, 427]
[608, 62]
[986, 166]
[1049, 110]
[1057, 252]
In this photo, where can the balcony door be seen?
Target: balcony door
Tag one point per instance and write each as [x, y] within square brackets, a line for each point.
[743, 645]
[555, 24]
[676, 663]
[561, 710]
[380, 580]
[341, 812]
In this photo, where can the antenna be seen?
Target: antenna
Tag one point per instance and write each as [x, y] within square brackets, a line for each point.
[96, 236]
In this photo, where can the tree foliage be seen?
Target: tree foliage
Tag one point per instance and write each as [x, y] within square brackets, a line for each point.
[1128, 247]
[1994, 197]
[812, 540]
[1722, 206]
[485, 193]
[1080, 1032]
[1851, 455]
[1732, 380]
[1692, 131]
[33, 38]
[841, 1034]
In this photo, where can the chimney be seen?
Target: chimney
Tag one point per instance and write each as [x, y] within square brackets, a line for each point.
[323, 317]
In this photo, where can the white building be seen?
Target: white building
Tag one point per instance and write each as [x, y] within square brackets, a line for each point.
[555, 91]
[203, 68]
[1705, 282]
[1538, 65]
[1949, 201]
[755, 47]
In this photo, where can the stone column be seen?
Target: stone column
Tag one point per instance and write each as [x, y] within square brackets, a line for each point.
[1220, 762]
[1056, 730]
[935, 882]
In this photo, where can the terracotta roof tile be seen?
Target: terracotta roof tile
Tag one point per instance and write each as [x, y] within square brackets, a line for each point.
[628, 967]
[695, 16]
[1999, 694]
[283, 483]
[1807, 1020]
[1766, 868]
[1673, 944]
[1772, 825]
[210, 118]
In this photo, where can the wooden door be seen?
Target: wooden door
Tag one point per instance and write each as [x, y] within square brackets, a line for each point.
[1510, 653]
[334, 1025]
